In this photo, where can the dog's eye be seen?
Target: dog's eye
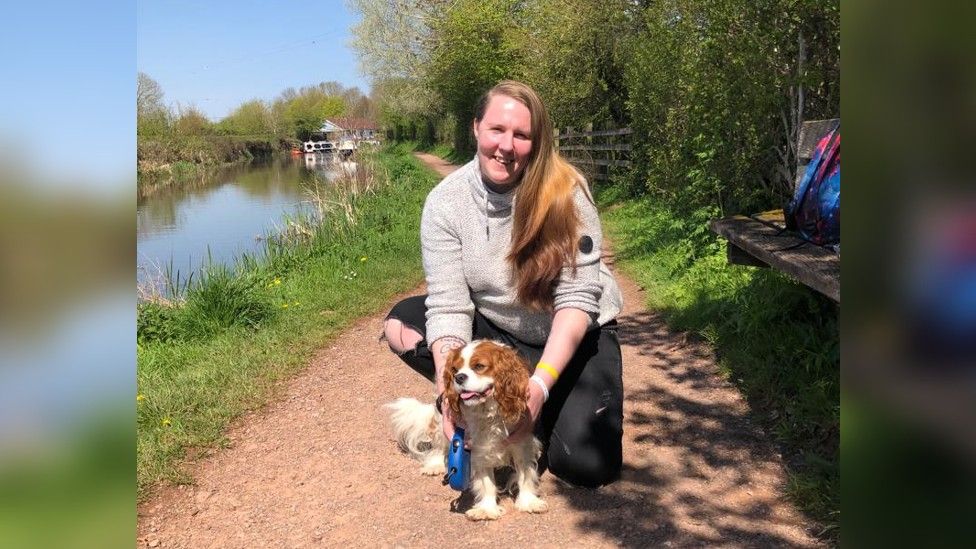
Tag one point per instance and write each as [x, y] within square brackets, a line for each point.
[479, 367]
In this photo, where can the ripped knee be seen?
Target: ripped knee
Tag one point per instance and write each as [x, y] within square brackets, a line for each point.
[399, 337]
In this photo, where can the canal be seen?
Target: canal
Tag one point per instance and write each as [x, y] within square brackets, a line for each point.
[219, 216]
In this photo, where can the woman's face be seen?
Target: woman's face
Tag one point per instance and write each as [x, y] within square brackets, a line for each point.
[504, 137]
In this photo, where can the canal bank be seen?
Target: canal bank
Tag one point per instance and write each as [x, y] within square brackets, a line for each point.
[224, 348]
[175, 158]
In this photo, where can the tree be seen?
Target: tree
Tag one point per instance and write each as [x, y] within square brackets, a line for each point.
[306, 112]
[361, 107]
[277, 118]
[395, 39]
[477, 46]
[152, 117]
[191, 121]
[573, 51]
[251, 118]
[149, 95]
[330, 88]
[704, 86]
[709, 83]
[357, 104]
[296, 113]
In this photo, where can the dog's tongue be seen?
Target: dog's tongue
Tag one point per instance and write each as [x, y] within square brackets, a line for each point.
[465, 395]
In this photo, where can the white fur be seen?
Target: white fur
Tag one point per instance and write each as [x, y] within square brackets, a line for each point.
[418, 430]
[466, 353]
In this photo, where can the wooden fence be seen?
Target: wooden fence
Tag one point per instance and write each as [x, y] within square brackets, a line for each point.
[595, 153]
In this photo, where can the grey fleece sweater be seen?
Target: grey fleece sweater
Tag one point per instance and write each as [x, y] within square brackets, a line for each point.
[465, 234]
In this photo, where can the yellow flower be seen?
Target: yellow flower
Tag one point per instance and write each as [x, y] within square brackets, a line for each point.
[140, 398]
[362, 259]
[166, 422]
[295, 303]
[284, 306]
[277, 281]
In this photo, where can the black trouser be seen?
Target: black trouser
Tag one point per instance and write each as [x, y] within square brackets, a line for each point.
[581, 426]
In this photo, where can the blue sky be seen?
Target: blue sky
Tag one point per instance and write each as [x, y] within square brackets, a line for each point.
[67, 106]
[217, 54]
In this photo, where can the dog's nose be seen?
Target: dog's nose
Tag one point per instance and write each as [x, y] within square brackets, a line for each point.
[460, 378]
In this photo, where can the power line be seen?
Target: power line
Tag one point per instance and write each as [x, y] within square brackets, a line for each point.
[273, 51]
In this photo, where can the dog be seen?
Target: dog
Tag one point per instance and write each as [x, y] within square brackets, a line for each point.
[486, 385]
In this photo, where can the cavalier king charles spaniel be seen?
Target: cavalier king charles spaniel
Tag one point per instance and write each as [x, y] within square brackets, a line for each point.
[487, 384]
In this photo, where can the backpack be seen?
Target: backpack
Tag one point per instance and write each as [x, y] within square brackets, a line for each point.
[814, 211]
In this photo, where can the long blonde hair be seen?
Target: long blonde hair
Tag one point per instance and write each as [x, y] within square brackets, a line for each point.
[545, 219]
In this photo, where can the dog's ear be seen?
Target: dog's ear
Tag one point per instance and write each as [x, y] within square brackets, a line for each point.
[511, 374]
[451, 367]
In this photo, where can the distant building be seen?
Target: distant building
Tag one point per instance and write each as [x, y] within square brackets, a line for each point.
[349, 128]
[329, 128]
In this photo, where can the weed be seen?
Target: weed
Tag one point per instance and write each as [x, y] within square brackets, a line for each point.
[181, 169]
[156, 322]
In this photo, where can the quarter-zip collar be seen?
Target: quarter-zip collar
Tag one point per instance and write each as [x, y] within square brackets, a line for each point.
[491, 204]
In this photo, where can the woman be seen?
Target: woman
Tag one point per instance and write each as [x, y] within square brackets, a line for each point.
[511, 250]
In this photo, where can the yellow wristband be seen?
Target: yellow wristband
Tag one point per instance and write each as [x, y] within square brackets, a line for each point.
[548, 369]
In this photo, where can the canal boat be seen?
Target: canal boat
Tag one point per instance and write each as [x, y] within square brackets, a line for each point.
[318, 146]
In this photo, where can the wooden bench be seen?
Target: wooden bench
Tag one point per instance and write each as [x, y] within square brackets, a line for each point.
[760, 240]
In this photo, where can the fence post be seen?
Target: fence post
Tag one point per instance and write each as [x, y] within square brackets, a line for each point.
[590, 154]
[612, 154]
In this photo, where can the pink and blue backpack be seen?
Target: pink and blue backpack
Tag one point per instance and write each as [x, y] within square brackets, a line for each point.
[814, 211]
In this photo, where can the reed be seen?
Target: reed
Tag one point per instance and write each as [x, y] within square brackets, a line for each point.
[331, 210]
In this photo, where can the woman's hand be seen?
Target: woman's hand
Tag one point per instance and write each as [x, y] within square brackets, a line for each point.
[534, 401]
[440, 349]
[447, 421]
[449, 424]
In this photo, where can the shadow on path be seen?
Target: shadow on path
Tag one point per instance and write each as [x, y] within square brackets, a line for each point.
[697, 472]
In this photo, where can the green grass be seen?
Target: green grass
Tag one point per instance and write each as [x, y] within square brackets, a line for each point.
[237, 332]
[776, 340]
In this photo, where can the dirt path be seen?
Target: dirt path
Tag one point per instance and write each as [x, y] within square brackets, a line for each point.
[318, 466]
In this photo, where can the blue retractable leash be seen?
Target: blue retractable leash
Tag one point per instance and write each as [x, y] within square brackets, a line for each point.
[458, 463]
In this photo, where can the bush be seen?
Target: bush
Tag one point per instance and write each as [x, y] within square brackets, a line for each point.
[709, 91]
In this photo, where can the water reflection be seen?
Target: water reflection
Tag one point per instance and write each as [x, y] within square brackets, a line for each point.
[330, 165]
[223, 214]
